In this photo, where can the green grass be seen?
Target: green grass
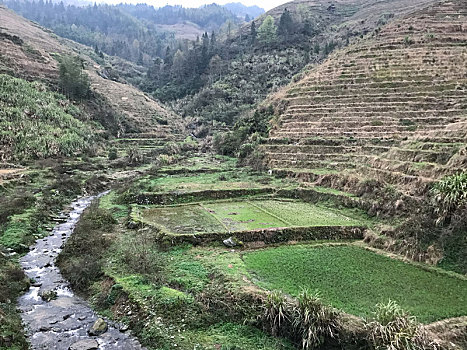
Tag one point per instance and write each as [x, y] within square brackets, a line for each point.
[230, 336]
[332, 191]
[183, 219]
[233, 216]
[306, 214]
[109, 202]
[225, 180]
[354, 280]
[242, 216]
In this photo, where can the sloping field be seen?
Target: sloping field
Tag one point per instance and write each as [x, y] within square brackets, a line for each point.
[354, 280]
[235, 216]
[391, 107]
[28, 51]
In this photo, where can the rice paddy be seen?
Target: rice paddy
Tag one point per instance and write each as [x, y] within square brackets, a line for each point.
[244, 215]
[354, 279]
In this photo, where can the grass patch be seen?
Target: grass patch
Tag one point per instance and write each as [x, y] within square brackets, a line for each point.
[109, 202]
[333, 191]
[225, 180]
[354, 280]
[231, 336]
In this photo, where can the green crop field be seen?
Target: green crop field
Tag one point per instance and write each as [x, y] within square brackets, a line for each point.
[223, 216]
[223, 180]
[354, 280]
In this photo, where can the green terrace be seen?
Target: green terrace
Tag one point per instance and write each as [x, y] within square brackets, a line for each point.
[244, 214]
[354, 279]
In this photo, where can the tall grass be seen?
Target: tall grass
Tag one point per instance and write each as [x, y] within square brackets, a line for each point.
[394, 329]
[36, 123]
[449, 194]
[313, 321]
[276, 311]
[307, 321]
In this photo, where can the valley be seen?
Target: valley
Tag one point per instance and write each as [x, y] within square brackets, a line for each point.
[260, 194]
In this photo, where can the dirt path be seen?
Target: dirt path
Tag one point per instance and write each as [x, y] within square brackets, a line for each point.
[62, 323]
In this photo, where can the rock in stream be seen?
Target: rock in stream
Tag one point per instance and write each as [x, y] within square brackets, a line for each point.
[54, 317]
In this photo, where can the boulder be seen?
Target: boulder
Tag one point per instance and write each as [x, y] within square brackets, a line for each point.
[99, 327]
[232, 242]
[86, 344]
[48, 295]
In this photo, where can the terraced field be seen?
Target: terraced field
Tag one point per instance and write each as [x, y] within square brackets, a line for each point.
[392, 107]
[354, 280]
[245, 215]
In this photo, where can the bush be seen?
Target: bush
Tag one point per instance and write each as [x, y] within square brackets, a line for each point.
[134, 156]
[394, 329]
[449, 194]
[313, 321]
[113, 154]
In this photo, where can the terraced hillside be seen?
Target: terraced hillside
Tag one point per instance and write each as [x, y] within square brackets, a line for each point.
[29, 51]
[392, 107]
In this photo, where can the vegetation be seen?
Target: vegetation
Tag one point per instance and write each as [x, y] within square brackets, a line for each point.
[83, 250]
[449, 194]
[245, 215]
[73, 81]
[352, 279]
[36, 123]
[393, 328]
[306, 321]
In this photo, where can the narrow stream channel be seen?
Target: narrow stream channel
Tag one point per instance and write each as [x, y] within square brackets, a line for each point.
[64, 322]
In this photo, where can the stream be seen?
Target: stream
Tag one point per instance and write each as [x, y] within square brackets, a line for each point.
[63, 323]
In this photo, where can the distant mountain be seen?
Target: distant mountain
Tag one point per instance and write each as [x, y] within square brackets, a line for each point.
[241, 10]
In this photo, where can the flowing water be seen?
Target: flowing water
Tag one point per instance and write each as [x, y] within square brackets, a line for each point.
[60, 323]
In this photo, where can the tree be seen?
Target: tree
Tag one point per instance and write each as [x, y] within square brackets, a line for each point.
[73, 81]
[178, 65]
[267, 31]
[253, 32]
[215, 68]
[286, 25]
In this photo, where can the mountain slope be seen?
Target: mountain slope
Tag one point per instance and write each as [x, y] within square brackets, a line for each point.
[392, 107]
[250, 68]
[29, 51]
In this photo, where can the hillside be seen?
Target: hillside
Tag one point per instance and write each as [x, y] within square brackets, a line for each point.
[385, 119]
[390, 107]
[29, 51]
[306, 32]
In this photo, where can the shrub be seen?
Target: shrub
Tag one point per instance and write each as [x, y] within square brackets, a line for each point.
[394, 329]
[313, 321]
[134, 156]
[113, 154]
[449, 194]
[276, 310]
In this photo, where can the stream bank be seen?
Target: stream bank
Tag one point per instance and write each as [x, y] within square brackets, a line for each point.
[55, 318]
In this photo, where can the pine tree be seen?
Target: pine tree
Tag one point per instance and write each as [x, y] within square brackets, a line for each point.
[267, 31]
[286, 25]
[253, 33]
